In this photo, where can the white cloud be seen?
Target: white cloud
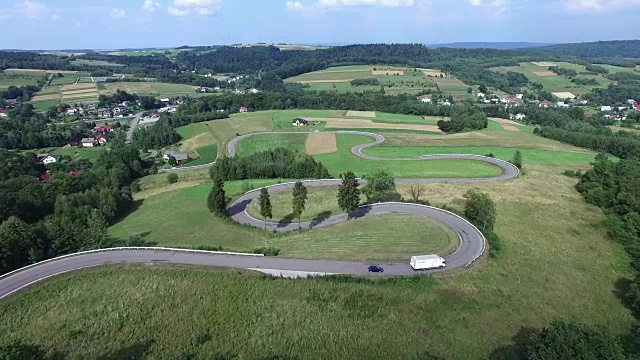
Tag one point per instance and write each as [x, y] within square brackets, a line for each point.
[294, 6]
[118, 13]
[385, 3]
[31, 9]
[55, 17]
[194, 7]
[599, 5]
[150, 5]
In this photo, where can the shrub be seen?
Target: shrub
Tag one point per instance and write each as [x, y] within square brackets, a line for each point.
[267, 251]
[494, 241]
[172, 178]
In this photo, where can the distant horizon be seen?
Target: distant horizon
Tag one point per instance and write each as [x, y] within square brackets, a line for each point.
[447, 44]
[129, 24]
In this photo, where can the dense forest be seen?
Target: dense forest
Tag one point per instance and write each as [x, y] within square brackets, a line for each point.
[69, 212]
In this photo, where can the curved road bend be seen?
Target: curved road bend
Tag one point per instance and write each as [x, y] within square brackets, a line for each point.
[471, 240]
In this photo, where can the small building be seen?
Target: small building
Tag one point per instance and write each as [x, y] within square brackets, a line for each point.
[244, 109]
[519, 96]
[520, 116]
[74, 173]
[426, 100]
[71, 111]
[181, 158]
[254, 91]
[45, 177]
[561, 104]
[636, 107]
[480, 94]
[101, 139]
[165, 100]
[298, 122]
[103, 129]
[631, 102]
[47, 159]
[3, 113]
[606, 108]
[589, 116]
[544, 105]
[88, 142]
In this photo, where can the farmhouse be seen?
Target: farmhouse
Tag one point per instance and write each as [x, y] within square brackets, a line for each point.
[45, 177]
[47, 159]
[298, 122]
[88, 142]
[520, 116]
[165, 100]
[544, 105]
[244, 109]
[606, 108]
[3, 113]
[101, 139]
[425, 100]
[561, 104]
[71, 111]
[180, 158]
[636, 106]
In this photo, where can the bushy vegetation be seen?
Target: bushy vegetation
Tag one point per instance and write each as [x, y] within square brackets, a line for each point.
[363, 82]
[563, 71]
[68, 212]
[465, 118]
[277, 163]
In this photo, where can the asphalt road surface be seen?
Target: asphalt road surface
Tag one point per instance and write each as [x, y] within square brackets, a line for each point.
[472, 242]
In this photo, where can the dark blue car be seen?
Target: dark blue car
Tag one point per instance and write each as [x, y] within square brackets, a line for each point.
[376, 269]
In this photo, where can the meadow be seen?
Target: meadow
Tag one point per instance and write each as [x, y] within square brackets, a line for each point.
[556, 83]
[558, 263]
[15, 77]
[396, 80]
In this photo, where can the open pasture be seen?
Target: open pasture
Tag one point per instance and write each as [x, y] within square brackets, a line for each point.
[14, 77]
[343, 123]
[452, 86]
[396, 80]
[157, 89]
[352, 113]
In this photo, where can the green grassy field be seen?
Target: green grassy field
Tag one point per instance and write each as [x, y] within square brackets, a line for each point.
[67, 78]
[557, 264]
[338, 79]
[533, 156]
[157, 89]
[259, 143]
[557, 83]
[20, 78]
[320, 202]
[368, 235]
[95, 63]
[44, 105]
[206, 154]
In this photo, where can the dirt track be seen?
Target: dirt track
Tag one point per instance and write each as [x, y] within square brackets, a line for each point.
[368, 124]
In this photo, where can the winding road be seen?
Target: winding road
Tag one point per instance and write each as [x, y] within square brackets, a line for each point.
[472, 242]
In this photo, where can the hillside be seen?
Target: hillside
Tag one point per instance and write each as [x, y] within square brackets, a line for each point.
[488, 45]
[601, 49]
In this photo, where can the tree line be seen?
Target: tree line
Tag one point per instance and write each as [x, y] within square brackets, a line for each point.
[279, 163]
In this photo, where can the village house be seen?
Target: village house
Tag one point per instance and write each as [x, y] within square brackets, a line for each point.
[72, 111]
[520, 116]
[88, 142]
[254, 91]
[101, 139]
[561, 104]
[244, 109]
[180, 158]
[544, 105]
[166, 100]
[47, 159]
[103, 129]
[45, 177]
[606, 108]
[631, 102]
[426, 100]
[636, 107]
[298, 122]
[444, 103]
[3, 113]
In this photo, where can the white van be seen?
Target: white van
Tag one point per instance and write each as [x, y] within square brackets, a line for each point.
[425, 262]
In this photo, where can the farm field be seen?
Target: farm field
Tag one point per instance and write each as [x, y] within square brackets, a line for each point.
[91, 154]
[396, 80]
[15, 77]
[95, 63]
[157, 89]
[555, 83]
[452, 86]
[206, 154]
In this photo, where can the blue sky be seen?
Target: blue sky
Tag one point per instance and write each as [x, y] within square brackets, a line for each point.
[110, 24]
